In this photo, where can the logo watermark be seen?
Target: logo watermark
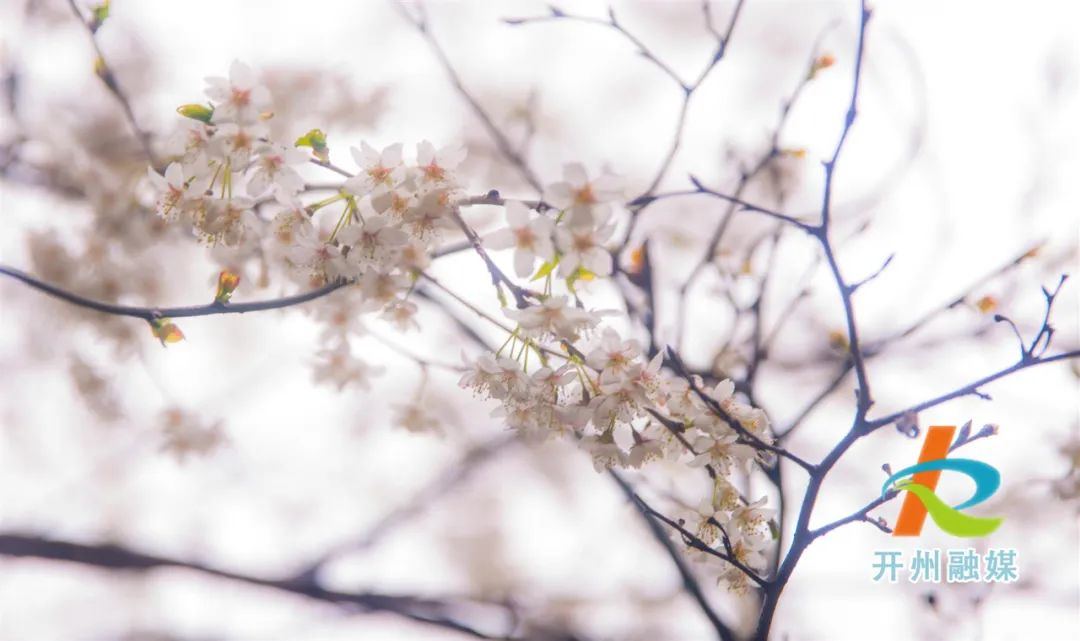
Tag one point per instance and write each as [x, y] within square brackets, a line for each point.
[921, 499]
[919, 481]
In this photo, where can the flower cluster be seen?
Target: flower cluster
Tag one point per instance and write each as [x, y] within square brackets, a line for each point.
[600, 391]
[242, 194]
[245, 195]
[626, 412]
[575, 238]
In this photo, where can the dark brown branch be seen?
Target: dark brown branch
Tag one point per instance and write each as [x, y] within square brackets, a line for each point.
[689, 581]
[970, 388]
[687, 89]
[749, 438]
[107, 76]
[861, 515]
[745, 178]
[701, 189]
[434, 612]
[498, 277]
[151, 313]
[502, 142]
[954, 302]
[800, 538]
[693, 541]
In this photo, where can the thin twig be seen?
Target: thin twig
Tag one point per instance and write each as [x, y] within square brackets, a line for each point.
[689, 581]
[687, 89]
[107, 76]
[861, 515]
[746, 435]
[970, 388]
[502, 142]
[696, 543]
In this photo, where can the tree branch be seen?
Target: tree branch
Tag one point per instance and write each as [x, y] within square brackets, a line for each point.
[105, 72]
[433, 612]
[505, 147]
[690, 583]
[151, 313]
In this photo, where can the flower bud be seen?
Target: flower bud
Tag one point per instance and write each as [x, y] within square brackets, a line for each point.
[165, 331]
[226, 284]
[201, 113]
[823, 61]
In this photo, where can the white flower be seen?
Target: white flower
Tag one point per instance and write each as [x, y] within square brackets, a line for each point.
[495, 377]
[554, 317]
[397, 202]
[239, 98]
[337, 365]
[724, 390]
[645, 378]
[747, 520]
[585, 201]
[605, 453]
[529, 238]
[548, 380]
[437, 166]
[235, 143]
[340, 315]
[372, 242]
[381, 288]
[190, 142]
[273, 167]
[229, 221]
[704, 521]
[429, 215]
[750, 551]
[178, 192]
[536, 421]
[322, 260]
[752, 419]
[291, 222]
[584, 247]
[414, 256]
[378, 171]
[723, 452]
[613, 353]
[644, 451]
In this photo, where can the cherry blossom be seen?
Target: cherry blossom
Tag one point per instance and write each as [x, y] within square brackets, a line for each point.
[437, 166]
[529, 236]
[239, 98]
[555, 317]
[379, 171]
[179, 192]
[275, 168]
[584, 201]
[583, 246]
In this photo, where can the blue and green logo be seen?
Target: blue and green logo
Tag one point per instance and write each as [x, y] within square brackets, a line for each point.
[920, 481]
